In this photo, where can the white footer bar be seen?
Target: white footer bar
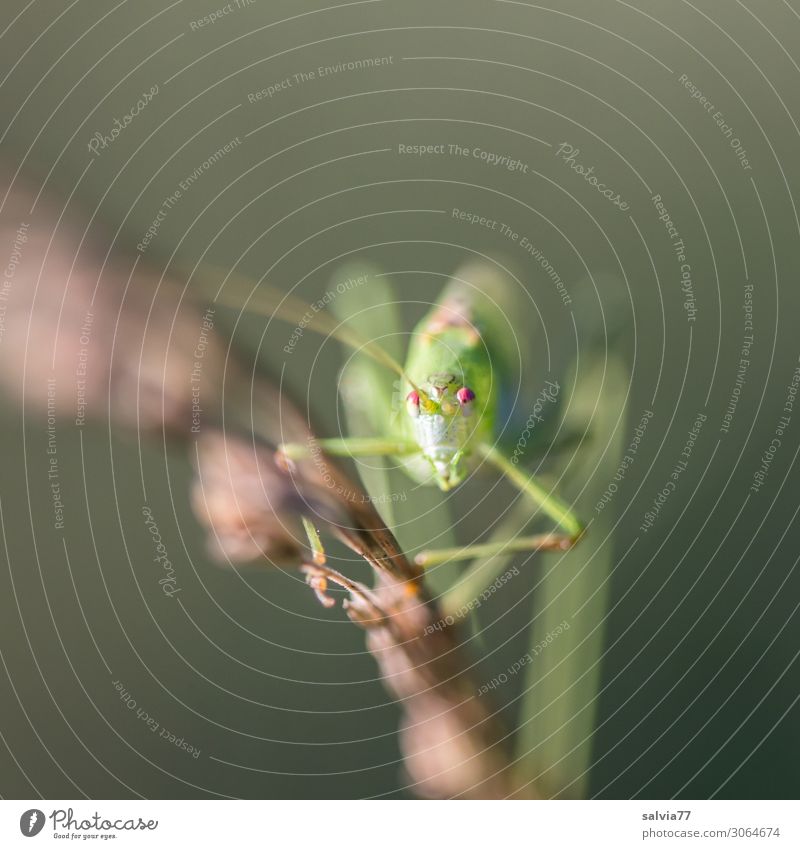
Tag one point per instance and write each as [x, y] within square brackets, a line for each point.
[402, 824]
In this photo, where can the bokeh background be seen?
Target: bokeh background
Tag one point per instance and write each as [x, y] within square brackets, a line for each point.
[678, 675]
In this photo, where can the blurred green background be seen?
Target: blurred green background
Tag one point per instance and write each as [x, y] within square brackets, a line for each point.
[678, 676]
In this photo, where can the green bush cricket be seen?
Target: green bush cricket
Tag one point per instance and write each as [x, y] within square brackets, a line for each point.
[451, 384]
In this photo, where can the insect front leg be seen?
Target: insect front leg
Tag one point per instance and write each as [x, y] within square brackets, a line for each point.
[355, 446]
[571, 528]
[560, 512]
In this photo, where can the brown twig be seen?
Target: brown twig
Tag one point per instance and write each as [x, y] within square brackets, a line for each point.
[135, 367]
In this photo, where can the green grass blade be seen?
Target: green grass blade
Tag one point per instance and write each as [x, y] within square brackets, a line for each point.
[559, 702]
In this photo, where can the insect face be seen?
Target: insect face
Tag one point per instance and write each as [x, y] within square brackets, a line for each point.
[440, 425]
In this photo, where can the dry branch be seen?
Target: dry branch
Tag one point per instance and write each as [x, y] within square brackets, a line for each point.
[136, 367]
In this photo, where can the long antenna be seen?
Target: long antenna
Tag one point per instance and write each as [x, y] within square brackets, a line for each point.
[265, 299]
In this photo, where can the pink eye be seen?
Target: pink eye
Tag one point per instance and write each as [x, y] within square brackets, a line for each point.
[412, 403]
[465, 397]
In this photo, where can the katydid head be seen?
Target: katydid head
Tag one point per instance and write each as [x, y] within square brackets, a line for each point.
[440, 409]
